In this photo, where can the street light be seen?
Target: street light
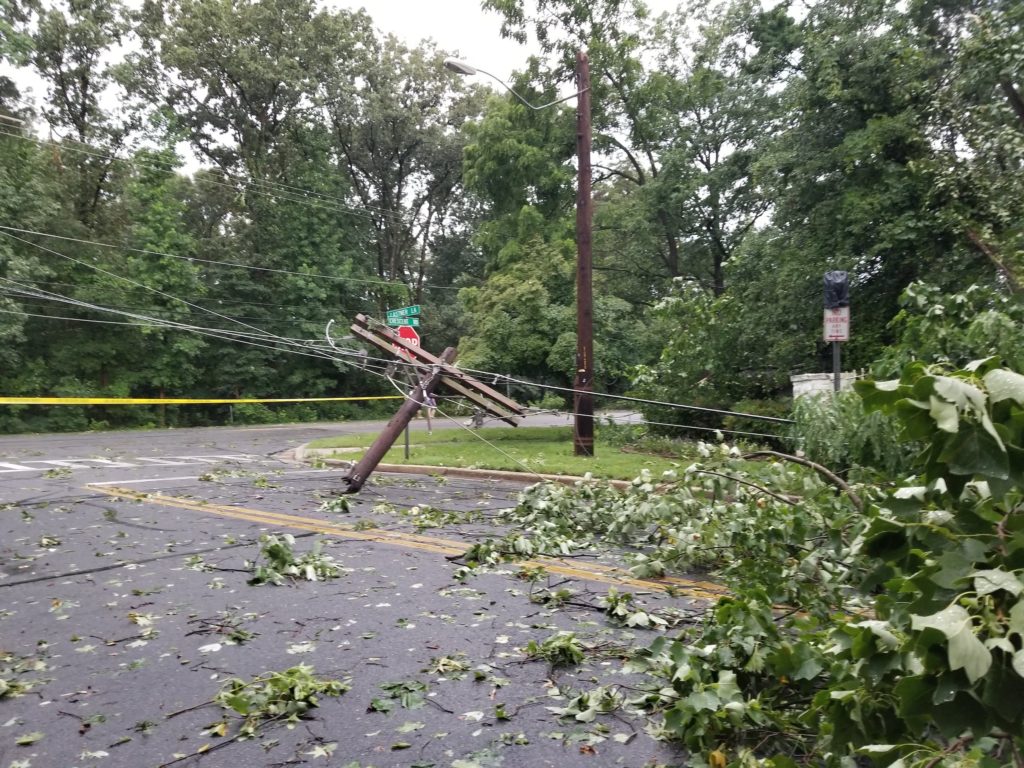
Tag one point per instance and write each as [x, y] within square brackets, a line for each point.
[583, 397]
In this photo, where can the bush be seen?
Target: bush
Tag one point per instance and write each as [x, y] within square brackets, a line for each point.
[550, 402]
[835, 430]
[778, 434]
[254, 413]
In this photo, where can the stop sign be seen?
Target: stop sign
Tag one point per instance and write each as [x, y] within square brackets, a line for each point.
[409, 334]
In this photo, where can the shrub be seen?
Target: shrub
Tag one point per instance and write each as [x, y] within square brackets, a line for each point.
[835, 430]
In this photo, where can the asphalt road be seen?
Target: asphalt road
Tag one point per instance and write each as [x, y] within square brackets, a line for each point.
[124, 607]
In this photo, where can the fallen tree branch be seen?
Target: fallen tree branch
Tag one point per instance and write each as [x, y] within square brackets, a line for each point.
[826, 473]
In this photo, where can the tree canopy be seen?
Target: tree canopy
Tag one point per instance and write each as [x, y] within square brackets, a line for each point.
[740, 152]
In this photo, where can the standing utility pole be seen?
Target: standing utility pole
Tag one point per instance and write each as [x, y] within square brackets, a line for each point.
[583, 398]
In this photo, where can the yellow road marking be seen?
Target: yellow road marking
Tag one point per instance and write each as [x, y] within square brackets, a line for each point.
[586, 571]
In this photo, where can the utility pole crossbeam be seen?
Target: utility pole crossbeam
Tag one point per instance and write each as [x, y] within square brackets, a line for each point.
[434, 372]
[461, 382]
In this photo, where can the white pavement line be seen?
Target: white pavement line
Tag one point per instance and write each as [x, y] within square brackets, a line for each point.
[64, 463]
[194, 477]
[191, 461]
[16, 468]
[108, 464]
[147, 480]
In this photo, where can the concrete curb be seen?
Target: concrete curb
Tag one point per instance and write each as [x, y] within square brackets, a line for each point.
[486, 474]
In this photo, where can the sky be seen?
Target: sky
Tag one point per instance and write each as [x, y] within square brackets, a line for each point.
[460, 26]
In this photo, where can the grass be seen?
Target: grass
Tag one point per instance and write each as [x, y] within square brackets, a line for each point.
[546, 450]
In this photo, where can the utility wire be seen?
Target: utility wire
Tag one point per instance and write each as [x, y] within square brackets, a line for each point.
[606, 396]
[213, 332]
[213, 261]
[180, 311]
[223, 300]
[136, 283]
[245, 338]
[274, 194]
[642, 421]
[626, 398]
[155, 163]
[250, 339]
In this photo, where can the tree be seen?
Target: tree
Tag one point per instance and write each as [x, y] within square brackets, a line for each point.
[396, 117]
[70, 52]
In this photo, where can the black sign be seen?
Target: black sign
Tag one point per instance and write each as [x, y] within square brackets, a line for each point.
[837, 290]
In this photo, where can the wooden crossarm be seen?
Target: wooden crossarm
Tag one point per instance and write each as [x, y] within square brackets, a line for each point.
[460, 382]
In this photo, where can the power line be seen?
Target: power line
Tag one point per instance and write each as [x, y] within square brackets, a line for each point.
[289, 196]
[608, 396]
[304, 349]
[179, 310]
[212, 261]
[222, 334]
[224, 300]
[642, 421]
[132, 282]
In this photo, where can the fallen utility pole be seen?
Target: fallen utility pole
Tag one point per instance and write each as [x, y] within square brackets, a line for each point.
[433, 372]
[406, 413]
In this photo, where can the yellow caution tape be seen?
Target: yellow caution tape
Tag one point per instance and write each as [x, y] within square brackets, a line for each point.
[176, 400]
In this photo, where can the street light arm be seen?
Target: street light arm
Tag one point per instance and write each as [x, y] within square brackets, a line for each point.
[462, 68]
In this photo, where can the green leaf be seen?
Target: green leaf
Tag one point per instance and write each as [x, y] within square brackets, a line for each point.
[27, 739]
[409, 727]
[914, 694]
[380, 705]
[973, 452]
[950, 621]
[967, 652]
[945, 414]
[1003, 384]
[988, 581]
[703, 700]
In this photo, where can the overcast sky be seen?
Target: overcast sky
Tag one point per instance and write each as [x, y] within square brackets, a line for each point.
[457, 25]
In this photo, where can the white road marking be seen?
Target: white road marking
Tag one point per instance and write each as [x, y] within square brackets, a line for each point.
[5, 467]
[64, 463]
[193, 477]
[105, 463]
[167, 461]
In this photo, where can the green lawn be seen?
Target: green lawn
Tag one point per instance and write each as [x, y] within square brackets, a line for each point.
[546, 450]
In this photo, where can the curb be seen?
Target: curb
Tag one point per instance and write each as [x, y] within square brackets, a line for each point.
[487, 474]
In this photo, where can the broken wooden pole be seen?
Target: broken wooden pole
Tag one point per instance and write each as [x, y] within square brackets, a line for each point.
[365, 466]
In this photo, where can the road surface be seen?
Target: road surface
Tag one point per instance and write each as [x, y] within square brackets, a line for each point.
[124, 607]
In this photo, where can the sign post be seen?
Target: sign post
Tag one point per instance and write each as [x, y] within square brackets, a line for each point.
[837, 318]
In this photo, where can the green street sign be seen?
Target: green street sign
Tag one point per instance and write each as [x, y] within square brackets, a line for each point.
[397, 321]
[404, 312]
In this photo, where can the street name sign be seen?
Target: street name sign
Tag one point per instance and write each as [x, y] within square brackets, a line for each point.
[403, 312]
[399, 321]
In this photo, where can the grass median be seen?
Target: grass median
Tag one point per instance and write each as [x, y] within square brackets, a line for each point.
[545, 450]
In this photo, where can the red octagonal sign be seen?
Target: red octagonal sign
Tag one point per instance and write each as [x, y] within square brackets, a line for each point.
[409, 335]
